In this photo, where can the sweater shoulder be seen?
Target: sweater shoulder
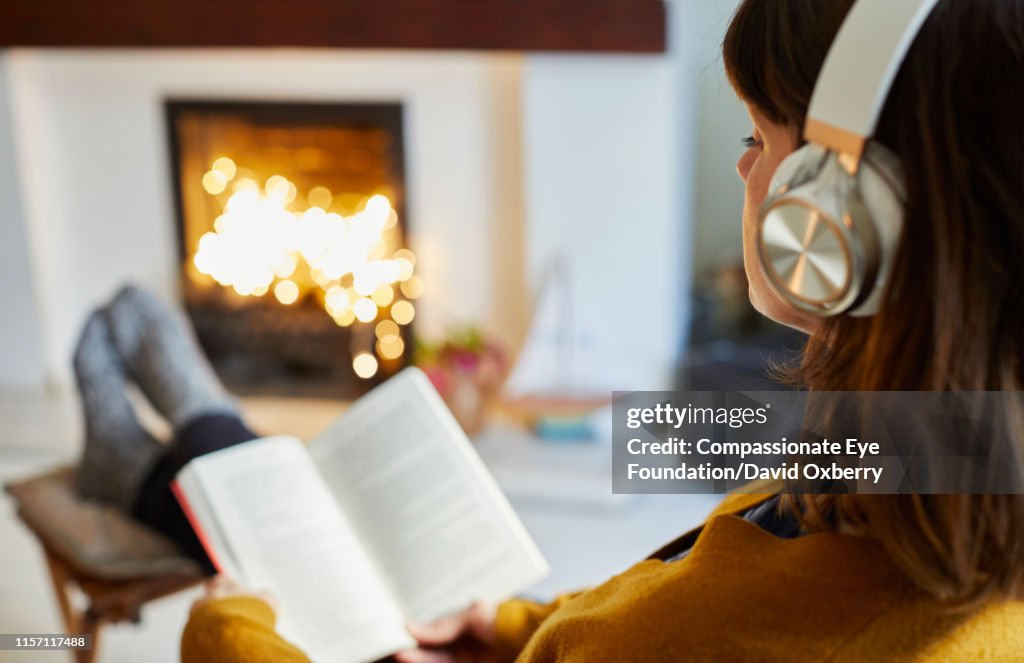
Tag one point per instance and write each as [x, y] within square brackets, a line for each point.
[741, 594]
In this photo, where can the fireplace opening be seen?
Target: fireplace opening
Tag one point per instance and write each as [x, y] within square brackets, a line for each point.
[291, 231]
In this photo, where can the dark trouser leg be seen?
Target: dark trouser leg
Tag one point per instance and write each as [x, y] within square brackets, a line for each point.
[156, 505]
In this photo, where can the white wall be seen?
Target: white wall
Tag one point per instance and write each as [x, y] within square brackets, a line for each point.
[21, 358]
[625, 164]
[632, 180]
[609, 205]
[722, 123]
[94, 168]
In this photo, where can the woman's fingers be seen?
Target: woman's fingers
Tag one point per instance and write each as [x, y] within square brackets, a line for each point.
[477, 620]
[270, 600]
[424, 656]
[440, 632]
[466, 637]
[223, 586]
[480, 618]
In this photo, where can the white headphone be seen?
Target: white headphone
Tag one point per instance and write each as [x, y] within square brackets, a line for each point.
[829, 228]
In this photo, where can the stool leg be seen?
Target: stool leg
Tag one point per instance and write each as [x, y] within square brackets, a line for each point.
[74, 622]
[90, 626]
[59, 577]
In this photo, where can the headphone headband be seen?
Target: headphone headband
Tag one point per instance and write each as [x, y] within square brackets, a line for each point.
[828, 232]
[859, 71]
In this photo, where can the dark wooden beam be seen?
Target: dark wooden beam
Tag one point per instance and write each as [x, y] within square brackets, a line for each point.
[624, 26]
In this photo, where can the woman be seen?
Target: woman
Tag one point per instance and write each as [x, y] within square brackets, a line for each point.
[811, 578]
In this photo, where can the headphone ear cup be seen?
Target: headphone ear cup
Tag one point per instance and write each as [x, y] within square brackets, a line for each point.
[796, 168]
[827, 237]
[796, 224]
[881, 186]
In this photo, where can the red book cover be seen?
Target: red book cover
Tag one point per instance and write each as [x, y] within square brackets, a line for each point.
[194, 522]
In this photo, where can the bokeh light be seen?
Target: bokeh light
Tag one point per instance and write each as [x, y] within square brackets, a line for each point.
[403, 312]
[214, 182]
[364, 365]
[345, 319]
[365, 309]
[391, 347]
[271, 237]
[386, 328]
[287, 292]
[383, 296]
[226, 166]
[320, 196]
[413, 287]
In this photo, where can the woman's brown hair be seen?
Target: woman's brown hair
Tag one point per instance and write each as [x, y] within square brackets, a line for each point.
[954, 317]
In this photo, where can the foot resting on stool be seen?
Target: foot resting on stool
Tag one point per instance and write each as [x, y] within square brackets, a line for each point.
[119, 453]
[162, 355]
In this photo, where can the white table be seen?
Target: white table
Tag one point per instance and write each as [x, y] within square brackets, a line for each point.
[562, 492]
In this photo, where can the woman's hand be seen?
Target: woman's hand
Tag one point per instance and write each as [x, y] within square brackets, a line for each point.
[464, 637]
[222, 586]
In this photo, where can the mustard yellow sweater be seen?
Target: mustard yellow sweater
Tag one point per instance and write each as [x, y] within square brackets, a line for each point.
[740, 595]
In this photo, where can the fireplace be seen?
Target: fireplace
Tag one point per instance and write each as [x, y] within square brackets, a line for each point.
[291, 231]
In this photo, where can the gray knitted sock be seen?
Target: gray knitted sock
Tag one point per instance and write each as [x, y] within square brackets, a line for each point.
[119, 453]
[162, 355]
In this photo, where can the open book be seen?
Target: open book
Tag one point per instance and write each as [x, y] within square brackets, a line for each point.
[387, 517]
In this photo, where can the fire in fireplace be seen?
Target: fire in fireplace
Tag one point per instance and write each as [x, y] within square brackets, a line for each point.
[291, 228]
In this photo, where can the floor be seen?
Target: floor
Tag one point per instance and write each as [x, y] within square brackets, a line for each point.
[585, 533]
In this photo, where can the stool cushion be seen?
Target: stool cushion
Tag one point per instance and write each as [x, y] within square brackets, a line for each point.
[93, 538]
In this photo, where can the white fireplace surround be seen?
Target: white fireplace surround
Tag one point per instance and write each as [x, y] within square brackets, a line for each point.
[511, 161]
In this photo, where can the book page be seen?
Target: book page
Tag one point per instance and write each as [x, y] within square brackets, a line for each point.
[204, 522]
[423, 503]
[289, 537]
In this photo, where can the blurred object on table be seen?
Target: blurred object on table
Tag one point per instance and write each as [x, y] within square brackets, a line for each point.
[467, 367]
[550, 387]
[557, 418]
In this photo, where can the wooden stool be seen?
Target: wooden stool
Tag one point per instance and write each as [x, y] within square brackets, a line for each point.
[117, 563]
